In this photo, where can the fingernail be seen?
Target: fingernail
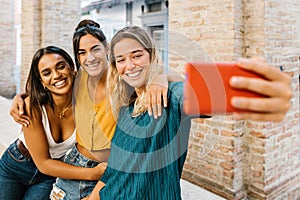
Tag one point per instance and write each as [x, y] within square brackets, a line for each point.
[235, 101]
[234, 80]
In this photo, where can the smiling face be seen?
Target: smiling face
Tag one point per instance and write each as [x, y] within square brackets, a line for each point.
[132, 62]
[55, 73]
[92, 55]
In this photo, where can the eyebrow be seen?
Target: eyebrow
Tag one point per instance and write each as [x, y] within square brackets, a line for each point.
[93, 47]
[132, 52]
[60, 62]
[56, 65]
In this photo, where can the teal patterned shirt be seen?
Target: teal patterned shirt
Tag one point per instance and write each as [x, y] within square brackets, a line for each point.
[147, 154]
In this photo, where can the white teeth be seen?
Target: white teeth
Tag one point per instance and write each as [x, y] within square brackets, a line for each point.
[59, 83]
[131, 75]
[94, 65]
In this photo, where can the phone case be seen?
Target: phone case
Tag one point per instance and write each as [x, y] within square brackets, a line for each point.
[207, 90]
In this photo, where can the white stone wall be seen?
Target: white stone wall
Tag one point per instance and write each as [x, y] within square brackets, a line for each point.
[7, 49]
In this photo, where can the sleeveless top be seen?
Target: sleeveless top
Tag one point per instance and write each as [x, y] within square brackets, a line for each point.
[56, 150]
[95, 123]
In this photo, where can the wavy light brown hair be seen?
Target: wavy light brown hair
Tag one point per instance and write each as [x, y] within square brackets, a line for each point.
[120, 93]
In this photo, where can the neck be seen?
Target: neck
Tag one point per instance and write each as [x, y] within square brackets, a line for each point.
[61, 102]
[99, 79]
[97, 87]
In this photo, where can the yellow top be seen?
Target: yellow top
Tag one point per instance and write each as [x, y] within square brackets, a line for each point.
[95, 123]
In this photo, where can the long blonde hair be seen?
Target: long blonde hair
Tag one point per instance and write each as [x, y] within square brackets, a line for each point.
[120, 93]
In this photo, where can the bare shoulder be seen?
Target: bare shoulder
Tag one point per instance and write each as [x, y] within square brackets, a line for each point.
[36, 114]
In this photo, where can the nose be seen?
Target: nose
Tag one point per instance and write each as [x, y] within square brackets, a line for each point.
[90, 57]
[57, 74]
[129, 64]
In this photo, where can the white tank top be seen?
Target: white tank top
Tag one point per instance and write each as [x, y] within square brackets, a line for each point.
[56, 150]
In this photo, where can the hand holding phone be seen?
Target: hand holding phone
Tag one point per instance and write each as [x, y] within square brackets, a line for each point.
[207, 89]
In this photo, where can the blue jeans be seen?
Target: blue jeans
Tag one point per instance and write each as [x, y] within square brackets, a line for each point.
[20, 178]
[74, 189]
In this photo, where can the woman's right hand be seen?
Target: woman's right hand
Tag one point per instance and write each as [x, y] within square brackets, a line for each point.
[98, 171]
[276, 87]
[17, 110]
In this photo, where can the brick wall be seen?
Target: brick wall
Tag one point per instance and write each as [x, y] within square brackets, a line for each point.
[7, 49]
[244, 159]
[47, 23]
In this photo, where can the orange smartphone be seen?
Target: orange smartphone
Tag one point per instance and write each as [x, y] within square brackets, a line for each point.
[207, 89]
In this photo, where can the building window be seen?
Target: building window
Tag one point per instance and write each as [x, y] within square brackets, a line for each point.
[155, 7]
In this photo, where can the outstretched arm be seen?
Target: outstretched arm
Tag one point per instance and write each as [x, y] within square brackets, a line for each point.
[276, 88]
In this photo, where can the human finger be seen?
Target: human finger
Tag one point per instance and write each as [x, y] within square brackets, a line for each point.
[267, 105]
[261, 86]
[258, 66]
[267, 117]
[17, 104]
[24, 120]
[154, 105]
[158, 102]
[165, 96]
[148, 100]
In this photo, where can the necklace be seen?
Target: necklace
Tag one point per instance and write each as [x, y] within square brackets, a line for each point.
[62, 113]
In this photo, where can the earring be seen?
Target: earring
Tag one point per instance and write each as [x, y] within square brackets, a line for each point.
[45, 88]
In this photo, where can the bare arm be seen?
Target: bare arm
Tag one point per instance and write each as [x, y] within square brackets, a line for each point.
[276, 88]
[38, 147]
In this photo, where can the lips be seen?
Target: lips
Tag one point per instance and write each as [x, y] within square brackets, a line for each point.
[60, 83]
[91, 66]
[134, 74]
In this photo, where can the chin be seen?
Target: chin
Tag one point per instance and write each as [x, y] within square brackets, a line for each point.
[94, 73]
[137, 85]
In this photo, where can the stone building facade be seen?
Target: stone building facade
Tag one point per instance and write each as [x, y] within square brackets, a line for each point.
[7, 49]
[235, 159]
[46, 23]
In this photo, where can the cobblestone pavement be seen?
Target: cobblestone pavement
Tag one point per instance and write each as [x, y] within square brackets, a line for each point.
[9, 130]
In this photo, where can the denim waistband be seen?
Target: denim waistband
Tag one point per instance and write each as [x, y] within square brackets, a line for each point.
[76, 158]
